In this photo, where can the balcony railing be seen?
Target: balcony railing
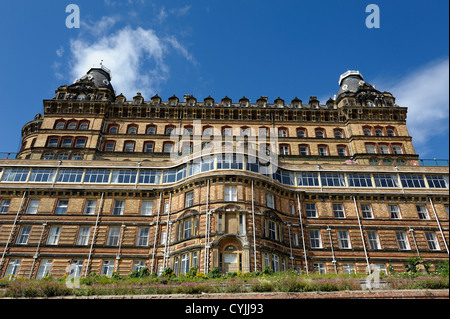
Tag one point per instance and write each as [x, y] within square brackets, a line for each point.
[377, 161]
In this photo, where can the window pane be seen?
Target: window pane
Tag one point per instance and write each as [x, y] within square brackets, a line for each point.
[15, 175]
[332, 180]
[385, 180]
[69, 176]
[61, 207]
[359, 180]
[412, 181]
[436, 181]
[149, 177]
[42, 175]
[308, 179]
[97, 176]
[124, 176]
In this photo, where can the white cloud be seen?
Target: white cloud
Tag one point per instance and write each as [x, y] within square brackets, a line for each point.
[135, 57]
[425, 92]
[60, 51]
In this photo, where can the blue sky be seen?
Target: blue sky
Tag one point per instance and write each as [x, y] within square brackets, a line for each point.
[235, 48]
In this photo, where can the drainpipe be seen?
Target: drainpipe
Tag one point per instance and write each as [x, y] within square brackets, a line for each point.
[439, 224]
[122, 231]
[208, 221]
[290, 246]
[36, 254]
[94, 234]
[166, 244]
[156, 232]
[303, 234]
[254, 229]
[411, 230]
[12, 229]
[362, 236]
[332, 249]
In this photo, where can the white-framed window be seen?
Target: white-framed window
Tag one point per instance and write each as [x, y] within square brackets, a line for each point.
[97, 176]
[284, 150]
[275, 263]
[422, 211]
[342, 151]
[241, 224]
[295, 239]
[359, 180]
[44, 268]
[89, 208]
[53, 236]
[13, 267]
[189, 199]
[311, 210]
[282, 132]
[33, 206]
[107, 268]
[76, 268]
[147, 208]
[42, 175]
[366, 210]
[138, 265]
[220, 223]
[338, 210]
[371, 149]
[303, 149]
[69, 176]
[142, 238]
[83, 236]
[394, 211]
[4, 205]
[230, 193]
[432, 241]
[266, 259]
[412, 181]
[402, 240]
[123, 176]
[319, 268]
[184, 263]
[315, 238]
[187, 226]
[119, 206]
[374, 242]
[437, 181]
[385, 180]
[344, 239]
[384, 149]
[24, 234]
[272, 230]
[270, 200]
[163, 237]
[113, 236]
[308, 179]
[349, 269]
[332, 180]
[323, 151]
[129, 147]
[61, 206]
[397, 149]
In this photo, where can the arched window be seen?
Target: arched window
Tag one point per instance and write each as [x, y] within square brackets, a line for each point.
[390, 131]
[129, 146]
[60, 125]
[301, 132]
[84, 125]
[109, 146]
[338, 133]
[367, 130]
[379, 131]
[52, 141]
[132, 129]
[113, 129]
[323, 150]
[80, 142]
[320, 133]
[303, 150]
[149, 147]
[151, 130]
[169, 129]
[66, 141]
[72, 125]
[282, 132]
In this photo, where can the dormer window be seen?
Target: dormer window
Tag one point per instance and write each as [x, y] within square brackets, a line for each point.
[226, 104]
[81, 97]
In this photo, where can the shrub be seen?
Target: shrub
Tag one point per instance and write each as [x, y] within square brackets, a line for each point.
[442, 269]
[267, 270]
[214, 273]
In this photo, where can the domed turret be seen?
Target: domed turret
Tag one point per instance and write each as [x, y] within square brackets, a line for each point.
[350, 81]
[101, 76]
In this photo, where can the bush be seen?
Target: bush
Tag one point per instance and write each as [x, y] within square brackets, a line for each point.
[214, 273]
[267, 271]
[442, 269]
